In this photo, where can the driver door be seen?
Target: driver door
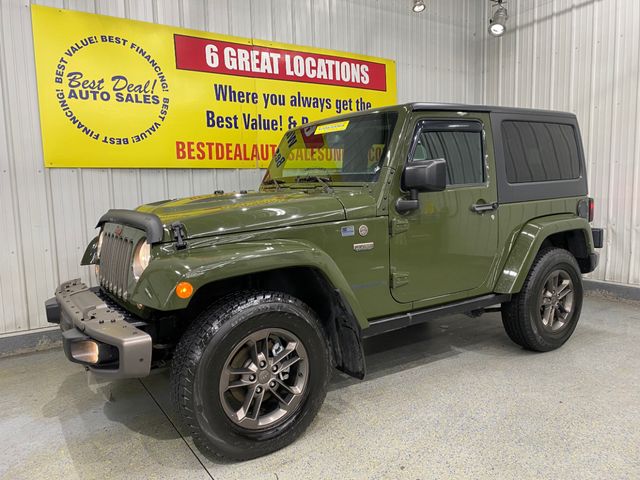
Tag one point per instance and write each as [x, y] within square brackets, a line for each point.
[444, 250]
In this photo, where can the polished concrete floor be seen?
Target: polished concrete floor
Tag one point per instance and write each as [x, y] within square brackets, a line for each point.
[452, 399]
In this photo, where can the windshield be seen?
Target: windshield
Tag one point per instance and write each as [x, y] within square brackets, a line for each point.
[349, 150]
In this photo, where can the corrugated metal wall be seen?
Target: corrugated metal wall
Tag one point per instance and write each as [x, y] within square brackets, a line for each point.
[576, 55]
[583, 56]
[47, 216]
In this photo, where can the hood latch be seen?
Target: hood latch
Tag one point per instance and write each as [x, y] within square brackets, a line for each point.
[179, 235]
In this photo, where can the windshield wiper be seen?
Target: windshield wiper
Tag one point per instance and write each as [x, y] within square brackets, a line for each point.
[315, 178]
[274, 181]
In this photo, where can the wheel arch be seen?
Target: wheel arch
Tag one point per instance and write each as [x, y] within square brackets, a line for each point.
[296, 267]
[567, 231]
[310, 285]
[576, 242]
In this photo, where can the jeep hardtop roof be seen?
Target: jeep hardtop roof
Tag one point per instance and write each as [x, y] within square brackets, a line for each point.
[417, 106]
[451, 107]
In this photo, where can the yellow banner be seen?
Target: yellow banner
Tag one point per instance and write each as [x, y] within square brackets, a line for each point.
[116, 93]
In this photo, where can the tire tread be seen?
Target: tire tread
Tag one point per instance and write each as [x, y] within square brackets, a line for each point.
[514, 313]
[189, 350]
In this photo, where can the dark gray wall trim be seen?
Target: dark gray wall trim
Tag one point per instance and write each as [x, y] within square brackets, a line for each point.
[30, 342]
[617, 290]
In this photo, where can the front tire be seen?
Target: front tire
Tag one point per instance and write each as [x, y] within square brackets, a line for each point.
[250, 374]
[544, 314]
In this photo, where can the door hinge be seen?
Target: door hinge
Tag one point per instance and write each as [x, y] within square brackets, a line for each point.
[399, 225]
[399, 278]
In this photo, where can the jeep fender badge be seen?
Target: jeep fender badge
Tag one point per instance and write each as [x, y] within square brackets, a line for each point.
[361, 247]
[363, 230]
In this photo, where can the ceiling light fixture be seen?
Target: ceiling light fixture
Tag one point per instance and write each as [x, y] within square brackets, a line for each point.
[418, 6]
[498, 21]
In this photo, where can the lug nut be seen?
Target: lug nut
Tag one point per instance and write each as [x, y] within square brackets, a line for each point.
[263, 364]
[252, 378]
[274, 368]
[272, 384]
[258, 389]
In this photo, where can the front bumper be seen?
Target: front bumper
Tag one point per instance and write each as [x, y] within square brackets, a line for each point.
[124, 351]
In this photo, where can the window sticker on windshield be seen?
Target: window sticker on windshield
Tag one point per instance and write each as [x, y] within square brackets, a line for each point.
[332, 127]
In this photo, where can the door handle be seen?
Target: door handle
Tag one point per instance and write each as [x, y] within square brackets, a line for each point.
[484, 207]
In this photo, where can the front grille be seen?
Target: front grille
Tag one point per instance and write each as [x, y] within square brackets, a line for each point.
[115, 263]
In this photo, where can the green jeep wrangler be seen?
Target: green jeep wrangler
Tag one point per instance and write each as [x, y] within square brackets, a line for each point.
[363, 224]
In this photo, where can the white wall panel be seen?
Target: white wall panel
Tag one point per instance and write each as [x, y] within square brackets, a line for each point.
[48, 215]
[583, 56]
[564, 54]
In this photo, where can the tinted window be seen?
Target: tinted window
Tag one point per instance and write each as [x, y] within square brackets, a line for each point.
[538, 152]
[461, 150]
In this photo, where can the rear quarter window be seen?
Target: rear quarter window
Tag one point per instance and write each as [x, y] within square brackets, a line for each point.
[540, 151]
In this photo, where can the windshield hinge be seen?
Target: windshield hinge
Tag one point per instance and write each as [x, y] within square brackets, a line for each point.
[179, 235]
[398, 225]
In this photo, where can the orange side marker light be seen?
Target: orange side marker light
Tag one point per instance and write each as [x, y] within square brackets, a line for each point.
[184, 290]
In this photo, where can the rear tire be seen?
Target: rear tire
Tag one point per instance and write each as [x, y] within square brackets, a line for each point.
[544, 314]
[250, 374]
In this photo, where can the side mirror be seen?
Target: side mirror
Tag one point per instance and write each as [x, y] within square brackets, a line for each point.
[422, 176]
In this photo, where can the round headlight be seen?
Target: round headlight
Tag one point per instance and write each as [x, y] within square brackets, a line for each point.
[100, 239]
[141, 258]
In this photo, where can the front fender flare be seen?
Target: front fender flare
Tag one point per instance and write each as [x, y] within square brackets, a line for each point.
[527, 244]
[90, 256]
[203, 265]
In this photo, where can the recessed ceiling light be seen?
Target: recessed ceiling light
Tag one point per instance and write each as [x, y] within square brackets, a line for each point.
[418, 6]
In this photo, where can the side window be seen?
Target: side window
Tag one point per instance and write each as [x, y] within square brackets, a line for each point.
[461, 149]
[538, 152]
